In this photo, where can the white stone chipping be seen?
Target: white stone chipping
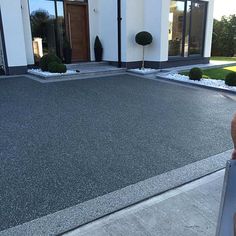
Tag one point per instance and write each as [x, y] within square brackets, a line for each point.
[206, 82]
[47, 74]
[144, 71]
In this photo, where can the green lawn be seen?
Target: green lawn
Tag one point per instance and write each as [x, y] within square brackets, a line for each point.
[218, 73]
[223, 58]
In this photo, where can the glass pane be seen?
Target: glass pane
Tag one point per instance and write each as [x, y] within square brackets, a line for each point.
[187, 28]
[176, 23]
[60, 27]
[42, 16]
[197, 28]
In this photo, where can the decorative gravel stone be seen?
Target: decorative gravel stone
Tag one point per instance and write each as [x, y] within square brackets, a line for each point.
[47, 74]
[207, 82]
[144, 71]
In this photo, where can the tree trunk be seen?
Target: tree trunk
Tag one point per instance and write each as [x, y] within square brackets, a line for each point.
[143, 59]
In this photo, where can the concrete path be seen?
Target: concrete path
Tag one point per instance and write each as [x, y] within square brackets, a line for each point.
[188, 210]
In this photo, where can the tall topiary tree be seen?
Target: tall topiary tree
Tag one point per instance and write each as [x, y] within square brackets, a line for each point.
[143, 38]
[98, 49]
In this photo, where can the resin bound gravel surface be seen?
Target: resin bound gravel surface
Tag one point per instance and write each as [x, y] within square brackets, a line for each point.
[64, 143]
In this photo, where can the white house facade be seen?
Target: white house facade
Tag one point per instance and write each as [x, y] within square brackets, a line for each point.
[181, 30]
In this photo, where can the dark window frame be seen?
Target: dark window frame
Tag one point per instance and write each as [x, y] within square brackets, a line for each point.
[182, 56]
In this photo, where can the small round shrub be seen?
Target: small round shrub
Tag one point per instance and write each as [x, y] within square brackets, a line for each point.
[195, 73]
[230, 79]
[55, 67]
[143, 38]
[47, 59]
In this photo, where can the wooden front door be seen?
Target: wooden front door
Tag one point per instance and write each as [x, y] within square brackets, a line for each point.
[77, 30]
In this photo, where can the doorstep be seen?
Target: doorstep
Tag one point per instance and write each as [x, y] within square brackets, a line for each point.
[82, 71]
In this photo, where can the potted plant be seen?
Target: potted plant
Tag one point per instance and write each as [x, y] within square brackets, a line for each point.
[2, 71]
[98, 49]
[67, 51]
[143, 38]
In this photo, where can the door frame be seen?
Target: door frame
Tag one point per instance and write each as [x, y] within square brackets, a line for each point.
[85, 3]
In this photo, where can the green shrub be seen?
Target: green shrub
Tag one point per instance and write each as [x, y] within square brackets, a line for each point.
[47, 59]
[143, 38]
[55, 67]
[230, 79]
[195, 73]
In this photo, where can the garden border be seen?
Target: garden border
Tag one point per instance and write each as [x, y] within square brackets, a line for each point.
[158, 77]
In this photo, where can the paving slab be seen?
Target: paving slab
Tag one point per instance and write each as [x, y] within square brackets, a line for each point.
[189, 210]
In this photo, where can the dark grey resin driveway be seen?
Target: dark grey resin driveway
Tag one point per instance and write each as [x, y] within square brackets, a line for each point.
[64, 143]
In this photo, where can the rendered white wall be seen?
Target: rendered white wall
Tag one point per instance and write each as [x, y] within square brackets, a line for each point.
[94, 13]
[153, 17]
[27, 32]
[103, 22]
[134, 18]
[108, 28]
[209, 29]
[156, 21]
[137, 15]
[13, 32]
[123, 31]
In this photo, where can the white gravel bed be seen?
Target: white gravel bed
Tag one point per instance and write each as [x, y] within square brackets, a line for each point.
[207, 82]
[47, 74]
[144, 71]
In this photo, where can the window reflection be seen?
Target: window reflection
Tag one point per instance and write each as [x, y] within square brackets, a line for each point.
[186, 27]
[197, 28]
[176, 21]
[60, 27]
[47, 29]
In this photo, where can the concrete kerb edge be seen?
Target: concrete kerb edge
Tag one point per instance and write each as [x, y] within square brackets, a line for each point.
[147, 203]
[195, 85]
[74, 77]
[81, 214]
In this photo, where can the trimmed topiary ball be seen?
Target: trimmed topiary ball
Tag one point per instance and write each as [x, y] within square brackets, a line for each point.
[195, 73]
[143, 38]
[47, 59]
[55, 67]
[230, 79]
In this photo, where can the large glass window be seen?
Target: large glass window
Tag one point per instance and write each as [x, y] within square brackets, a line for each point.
[197, 28]
[186, 27]
[176, 24]
[47, 25]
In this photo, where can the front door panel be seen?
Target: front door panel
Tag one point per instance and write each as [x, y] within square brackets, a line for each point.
[77, 25]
